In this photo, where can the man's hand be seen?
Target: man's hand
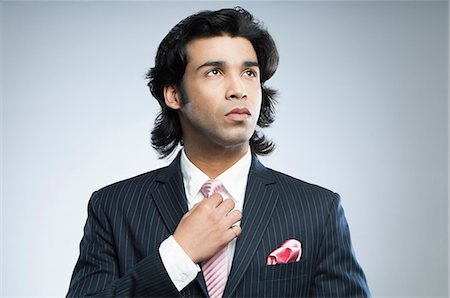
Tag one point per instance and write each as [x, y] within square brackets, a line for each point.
[208, 227]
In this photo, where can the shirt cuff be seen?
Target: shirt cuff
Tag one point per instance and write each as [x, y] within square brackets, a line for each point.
[181, 269]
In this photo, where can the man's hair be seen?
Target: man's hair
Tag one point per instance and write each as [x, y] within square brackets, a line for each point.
[170, 65]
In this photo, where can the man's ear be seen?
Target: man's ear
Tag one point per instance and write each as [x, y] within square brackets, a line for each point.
[172, 97]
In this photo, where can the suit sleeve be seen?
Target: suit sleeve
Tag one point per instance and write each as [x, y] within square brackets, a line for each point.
[96, 272]
[337, 272]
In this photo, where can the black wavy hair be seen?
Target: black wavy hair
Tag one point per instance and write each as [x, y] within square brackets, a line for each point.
[170, 65]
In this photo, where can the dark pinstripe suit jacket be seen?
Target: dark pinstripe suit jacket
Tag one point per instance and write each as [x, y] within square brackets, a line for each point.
[128, 220]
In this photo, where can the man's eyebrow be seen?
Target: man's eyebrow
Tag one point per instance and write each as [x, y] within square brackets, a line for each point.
[250, 64]
[211, 63]
[222, 63]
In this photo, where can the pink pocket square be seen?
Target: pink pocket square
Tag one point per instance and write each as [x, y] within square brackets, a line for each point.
[289, 252]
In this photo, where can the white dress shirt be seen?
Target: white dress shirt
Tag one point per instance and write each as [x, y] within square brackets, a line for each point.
[181, 269]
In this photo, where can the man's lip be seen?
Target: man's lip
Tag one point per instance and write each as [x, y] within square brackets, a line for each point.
[239, 111]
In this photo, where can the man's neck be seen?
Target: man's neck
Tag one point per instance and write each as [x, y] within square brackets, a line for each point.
[215, 162]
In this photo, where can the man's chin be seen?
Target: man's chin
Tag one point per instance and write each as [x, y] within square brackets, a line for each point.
[241, 143]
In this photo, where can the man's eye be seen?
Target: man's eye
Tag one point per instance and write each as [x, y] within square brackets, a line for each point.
[213, 72]
[251, 73]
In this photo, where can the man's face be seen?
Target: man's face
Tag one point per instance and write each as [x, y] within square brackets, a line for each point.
[223, 90]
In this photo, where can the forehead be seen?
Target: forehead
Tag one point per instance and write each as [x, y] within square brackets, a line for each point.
[220, 48]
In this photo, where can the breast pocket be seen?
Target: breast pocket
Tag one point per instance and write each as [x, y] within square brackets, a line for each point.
[285, 271]
[285, 280]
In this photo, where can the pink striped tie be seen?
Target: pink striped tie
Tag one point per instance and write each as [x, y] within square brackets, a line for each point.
[215, 269]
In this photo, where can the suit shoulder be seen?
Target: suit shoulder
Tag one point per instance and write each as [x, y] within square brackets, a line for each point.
[127, 188]
[290, 183]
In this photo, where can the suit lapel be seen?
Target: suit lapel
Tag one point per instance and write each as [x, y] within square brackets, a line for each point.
[260, 201]
[170, 199]
[169, 195]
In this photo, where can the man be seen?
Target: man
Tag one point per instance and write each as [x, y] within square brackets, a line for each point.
[258, 232]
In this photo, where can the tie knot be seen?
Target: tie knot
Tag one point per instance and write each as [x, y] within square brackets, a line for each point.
[211, 187]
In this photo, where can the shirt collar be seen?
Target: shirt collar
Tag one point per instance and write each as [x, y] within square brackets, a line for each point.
[234, 179]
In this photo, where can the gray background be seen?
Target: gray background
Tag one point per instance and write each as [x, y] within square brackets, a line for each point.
[363, 110]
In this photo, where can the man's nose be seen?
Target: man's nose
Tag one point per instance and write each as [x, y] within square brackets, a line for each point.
[236, 88]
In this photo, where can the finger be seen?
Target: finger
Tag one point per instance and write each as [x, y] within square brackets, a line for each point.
[232, 218]
[214, 200]
[234, 232]
[193, 207]
[225, 207]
